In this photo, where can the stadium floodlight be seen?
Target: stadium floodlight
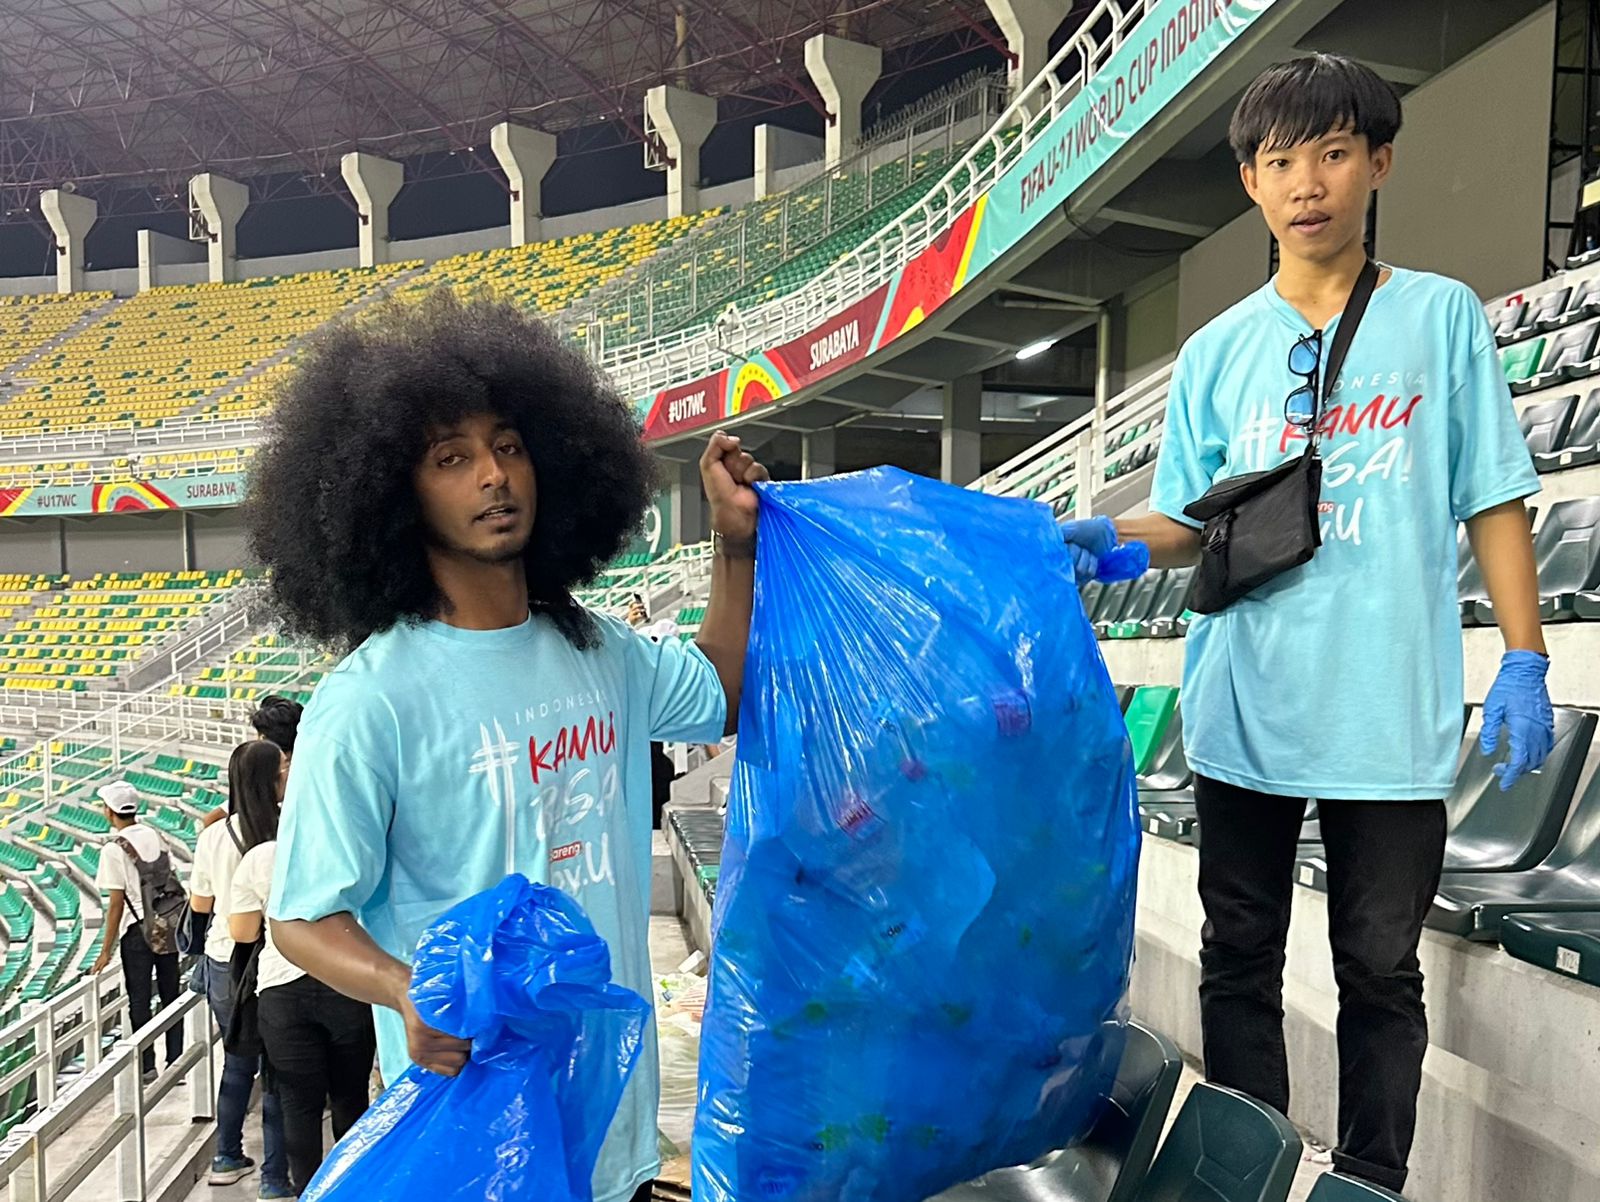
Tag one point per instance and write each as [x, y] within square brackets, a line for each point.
[1036, 348]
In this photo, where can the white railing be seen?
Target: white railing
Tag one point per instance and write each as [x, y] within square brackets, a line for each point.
[118, 438]
[218, 632]
[1054, 469]
[643, 368]
[33, 1162]
[18, 716]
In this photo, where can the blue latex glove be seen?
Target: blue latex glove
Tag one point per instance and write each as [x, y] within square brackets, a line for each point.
[1096, 554]
[1519, 703]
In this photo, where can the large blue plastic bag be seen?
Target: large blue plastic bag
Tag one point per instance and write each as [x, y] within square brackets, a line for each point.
[519, 970]
[924, 918]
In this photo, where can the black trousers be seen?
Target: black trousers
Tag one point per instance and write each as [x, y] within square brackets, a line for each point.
[141, 966]
[1384, 859]
[320, 1045]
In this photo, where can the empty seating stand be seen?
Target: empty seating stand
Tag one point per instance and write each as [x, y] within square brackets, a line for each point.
[1521, 363]
[1492, 831]
[1568, 944]
[1545, 426]
[1473, 904]
[1111, 1162]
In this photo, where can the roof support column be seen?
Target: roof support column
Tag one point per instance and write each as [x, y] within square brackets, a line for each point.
[374, 182]
[1028, 25]
[844, 73]
[221, 202]
[525, 156]
[683, 120]
[71, 217]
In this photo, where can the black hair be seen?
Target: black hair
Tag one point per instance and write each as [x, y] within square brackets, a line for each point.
[1300, 100]
[332, 508]
[277, 720]
[253, 790]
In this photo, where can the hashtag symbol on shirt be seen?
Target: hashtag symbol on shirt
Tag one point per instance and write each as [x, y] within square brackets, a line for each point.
[1255, 436]
[496, 758]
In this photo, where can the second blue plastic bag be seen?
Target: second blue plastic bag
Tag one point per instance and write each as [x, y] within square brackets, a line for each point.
[925, 910]
[519, 970]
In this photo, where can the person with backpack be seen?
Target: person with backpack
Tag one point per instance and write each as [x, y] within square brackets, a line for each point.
[255, 788]
[144, 909]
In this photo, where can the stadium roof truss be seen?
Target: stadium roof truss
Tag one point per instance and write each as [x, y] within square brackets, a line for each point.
[112, 93]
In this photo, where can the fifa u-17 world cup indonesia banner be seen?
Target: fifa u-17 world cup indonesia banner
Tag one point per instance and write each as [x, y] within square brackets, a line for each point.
[1158, 59]
[203, 490]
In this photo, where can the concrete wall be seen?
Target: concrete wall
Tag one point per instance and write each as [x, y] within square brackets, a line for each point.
[217, 540]
[31, 545]
[1471, 164]
[1149, 335]
[1226, 267]
[130, 542]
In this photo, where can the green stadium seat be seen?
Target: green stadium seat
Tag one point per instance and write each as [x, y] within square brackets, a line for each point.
[1568, 944]
[1169, 769]
[1521, 361]
[1147, 716]
[1474, 904]
[1110, 1163]
[1336, 1187]
[1223, 1147]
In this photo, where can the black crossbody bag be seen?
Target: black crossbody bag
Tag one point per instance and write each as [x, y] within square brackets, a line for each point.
[1260, 525]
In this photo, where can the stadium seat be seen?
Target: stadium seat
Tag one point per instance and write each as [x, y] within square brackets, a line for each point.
[1521, 363]
[1566, 550]
[1565, 943]
[1545, 313]
[1509, 323]
[1569, 355]
[1544, 426]
[1583, 303]
[1148, 715]
[1223, 1147]
[1580, 443]
[1167, 617]
[1336, 1187]
[1491, 830]
[1473, 904]
[1136, 610]
[1169, 768]
[1109, 608]
[1111, 1162]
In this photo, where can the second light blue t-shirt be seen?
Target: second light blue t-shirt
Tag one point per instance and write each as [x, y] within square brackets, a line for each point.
[432, 760]
[1342, 679]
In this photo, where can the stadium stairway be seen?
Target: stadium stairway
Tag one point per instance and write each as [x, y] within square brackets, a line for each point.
[41, 338]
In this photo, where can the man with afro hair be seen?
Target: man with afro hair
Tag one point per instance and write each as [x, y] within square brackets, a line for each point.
[435, 483]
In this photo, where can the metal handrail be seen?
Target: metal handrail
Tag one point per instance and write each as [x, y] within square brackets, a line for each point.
[31, 1163]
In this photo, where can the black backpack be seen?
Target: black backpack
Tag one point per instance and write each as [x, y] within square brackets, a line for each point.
[161, 896]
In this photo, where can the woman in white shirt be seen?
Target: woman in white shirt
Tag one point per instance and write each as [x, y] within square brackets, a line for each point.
[255, 791]
[320, 1043]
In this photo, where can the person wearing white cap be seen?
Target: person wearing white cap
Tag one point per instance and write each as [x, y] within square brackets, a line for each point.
[118, 878]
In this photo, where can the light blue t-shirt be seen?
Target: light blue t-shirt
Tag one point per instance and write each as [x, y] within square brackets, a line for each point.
[1343, 678]
[430, 748]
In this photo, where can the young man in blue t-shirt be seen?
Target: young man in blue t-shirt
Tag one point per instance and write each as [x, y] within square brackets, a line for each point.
[439, 480]
[1340, 680]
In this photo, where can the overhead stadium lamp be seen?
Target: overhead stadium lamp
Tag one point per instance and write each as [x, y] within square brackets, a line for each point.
[1036, 348]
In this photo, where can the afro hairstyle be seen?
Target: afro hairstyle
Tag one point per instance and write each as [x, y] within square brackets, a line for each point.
[332, 509]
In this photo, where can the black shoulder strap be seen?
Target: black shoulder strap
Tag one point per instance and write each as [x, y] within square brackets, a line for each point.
[233, 834]
[1349, 321]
